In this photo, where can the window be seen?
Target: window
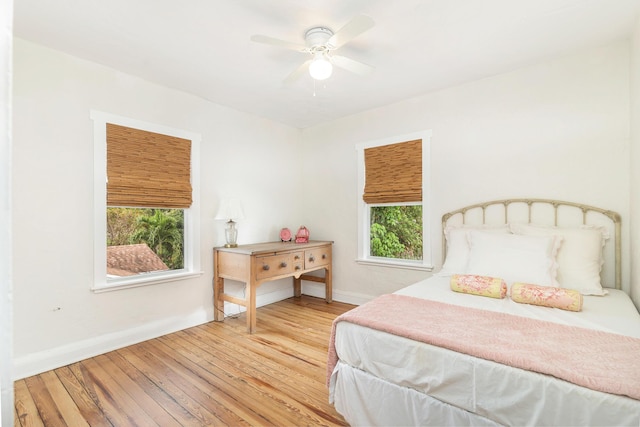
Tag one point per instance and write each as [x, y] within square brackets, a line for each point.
[393, 225]
[146, 205]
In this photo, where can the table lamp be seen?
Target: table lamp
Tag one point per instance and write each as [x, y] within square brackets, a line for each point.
[230, 210]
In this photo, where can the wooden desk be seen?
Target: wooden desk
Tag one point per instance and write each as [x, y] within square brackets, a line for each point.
[258, 263]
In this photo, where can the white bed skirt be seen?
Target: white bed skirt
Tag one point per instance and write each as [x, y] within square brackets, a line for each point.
[365, 400]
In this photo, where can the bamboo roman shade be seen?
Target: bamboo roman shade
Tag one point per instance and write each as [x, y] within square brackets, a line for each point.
[393, 173]
[146, 169]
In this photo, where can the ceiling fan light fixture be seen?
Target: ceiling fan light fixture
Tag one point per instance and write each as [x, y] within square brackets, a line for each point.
[320, 68]
[320, 41]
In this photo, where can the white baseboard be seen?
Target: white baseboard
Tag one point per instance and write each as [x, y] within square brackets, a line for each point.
[318, 290]
[36, 363]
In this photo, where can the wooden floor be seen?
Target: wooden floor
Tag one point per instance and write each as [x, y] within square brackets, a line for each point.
[213, 374]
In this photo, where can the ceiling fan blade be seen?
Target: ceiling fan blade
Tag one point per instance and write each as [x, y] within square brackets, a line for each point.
[350, 30]
[351, 65]
[295, 74]
[277, 42]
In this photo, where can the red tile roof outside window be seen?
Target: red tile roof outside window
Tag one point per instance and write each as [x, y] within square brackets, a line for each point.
[129, 260]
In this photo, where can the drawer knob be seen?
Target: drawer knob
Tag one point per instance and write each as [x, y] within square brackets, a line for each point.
[265, 267]
[312, 258]
[283, 264]
[298, 267]
[296, 257]
[324, 256]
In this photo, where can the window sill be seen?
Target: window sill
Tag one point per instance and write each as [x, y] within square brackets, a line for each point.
[395, 264]
[137, 282]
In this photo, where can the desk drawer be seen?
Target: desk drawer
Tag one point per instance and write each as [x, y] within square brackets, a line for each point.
[277, 265]
[317, 257]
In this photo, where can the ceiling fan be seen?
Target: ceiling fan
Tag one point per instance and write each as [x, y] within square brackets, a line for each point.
[320, 42]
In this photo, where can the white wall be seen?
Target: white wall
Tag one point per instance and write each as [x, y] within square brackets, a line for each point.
[6, 309]
[559, 130]
[57, 317]
[635, 165]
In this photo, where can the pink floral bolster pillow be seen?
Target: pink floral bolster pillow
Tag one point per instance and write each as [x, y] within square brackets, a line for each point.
[479, 285]
[565, 299]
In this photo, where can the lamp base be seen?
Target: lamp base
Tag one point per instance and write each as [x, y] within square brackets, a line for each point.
[231, 233]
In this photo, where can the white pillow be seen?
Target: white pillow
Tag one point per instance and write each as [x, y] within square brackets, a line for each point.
[457, 238]
[514, 258]
[580, 258]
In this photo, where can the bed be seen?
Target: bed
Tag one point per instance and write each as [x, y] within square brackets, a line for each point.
[427, 355]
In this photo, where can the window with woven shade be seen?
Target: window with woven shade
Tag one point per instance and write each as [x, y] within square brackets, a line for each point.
[147, 169]
[393, 173]
[146, 203]
[392, 221]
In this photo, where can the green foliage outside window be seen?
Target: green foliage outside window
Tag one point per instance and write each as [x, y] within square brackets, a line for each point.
[396, 232]
[161, 229]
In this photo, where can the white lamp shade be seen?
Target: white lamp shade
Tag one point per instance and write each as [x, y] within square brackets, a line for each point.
[320, 68]
[230, 209]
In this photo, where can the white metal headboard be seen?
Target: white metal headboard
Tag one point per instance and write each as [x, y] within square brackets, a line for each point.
[540, 211]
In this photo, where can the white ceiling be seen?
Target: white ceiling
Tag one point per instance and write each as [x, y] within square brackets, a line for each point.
[203, 47]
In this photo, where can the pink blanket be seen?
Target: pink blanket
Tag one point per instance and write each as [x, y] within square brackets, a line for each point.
[594, 359]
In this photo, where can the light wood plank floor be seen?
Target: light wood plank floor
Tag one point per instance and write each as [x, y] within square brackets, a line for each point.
[213, 374]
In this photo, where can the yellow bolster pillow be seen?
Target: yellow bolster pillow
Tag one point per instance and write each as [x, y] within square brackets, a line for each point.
[485, 286]
[546, 296]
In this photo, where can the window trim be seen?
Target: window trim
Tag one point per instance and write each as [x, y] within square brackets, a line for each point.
[192, 261]
[364, 211]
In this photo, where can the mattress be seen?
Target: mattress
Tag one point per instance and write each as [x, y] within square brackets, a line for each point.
[485, 392]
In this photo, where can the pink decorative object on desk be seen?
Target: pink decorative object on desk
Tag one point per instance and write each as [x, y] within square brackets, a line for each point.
[285, 235]
[302, 236]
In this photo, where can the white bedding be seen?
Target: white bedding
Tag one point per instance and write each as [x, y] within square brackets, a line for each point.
[612, 313]
[405, 377]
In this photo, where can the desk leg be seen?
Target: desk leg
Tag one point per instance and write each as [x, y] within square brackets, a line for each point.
[251, 307]
[328, 285]
[297, 286]
[218, 292]
[297, 289]
[218, 301]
